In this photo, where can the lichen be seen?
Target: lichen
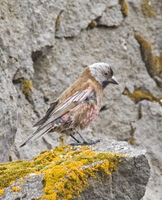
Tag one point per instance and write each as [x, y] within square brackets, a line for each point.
[147, 9]
[139, 95]
[15, 189]
[124, 7]
[153, 63]
[27, 87]
[65, 170]
[92, 24]
[57, 23]
[132, 141]
[1, 192]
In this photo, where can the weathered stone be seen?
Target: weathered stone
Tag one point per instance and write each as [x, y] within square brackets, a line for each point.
[111, 17]
[30, 188]
[151, 113]
[49, 43]
[127, 181]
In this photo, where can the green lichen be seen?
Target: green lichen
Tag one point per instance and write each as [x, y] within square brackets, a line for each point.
[13, 170]
[147, 9]
[65, 174]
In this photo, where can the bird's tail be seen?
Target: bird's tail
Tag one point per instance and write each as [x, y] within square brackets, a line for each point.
[38, 133]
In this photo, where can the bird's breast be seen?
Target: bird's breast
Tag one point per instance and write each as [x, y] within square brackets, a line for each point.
[84, 114]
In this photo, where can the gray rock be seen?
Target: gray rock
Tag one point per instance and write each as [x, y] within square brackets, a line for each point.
[152, 141]
[49, 43]
[31, 188]
[111, 17]
[127, 182]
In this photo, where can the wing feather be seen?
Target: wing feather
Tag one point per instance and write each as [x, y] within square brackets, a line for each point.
[56, 111]
[65, 106]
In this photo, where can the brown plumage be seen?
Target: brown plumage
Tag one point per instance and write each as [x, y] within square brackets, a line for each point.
[78, 105]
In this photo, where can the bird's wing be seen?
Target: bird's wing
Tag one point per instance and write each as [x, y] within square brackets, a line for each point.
[59, 110]
[44, 119]
[65, 106]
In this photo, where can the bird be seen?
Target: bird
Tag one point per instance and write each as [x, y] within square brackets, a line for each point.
[78, 106]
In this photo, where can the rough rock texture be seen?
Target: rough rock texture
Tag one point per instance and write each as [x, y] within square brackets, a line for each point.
[127, 182]
[31, 188]
[44, 46]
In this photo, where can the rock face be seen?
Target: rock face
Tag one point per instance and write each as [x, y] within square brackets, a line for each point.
[44, 46]
[126, 180]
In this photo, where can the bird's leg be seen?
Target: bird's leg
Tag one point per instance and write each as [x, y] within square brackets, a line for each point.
[84, 141]
[74, 138]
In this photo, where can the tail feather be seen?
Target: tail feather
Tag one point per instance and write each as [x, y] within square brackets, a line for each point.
[38, 133]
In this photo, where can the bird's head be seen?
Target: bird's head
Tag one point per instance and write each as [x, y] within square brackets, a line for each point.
[102, 73]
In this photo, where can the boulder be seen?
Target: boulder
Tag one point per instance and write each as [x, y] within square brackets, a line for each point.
[107, 170]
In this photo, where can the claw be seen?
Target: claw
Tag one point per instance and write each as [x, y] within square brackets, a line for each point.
[85, 143]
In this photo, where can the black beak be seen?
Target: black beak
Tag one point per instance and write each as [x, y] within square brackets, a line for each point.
[113, 80]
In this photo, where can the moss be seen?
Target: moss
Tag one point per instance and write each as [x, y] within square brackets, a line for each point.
[139, 95]
[147, 9]
[124, 7]
[153, 63]
[65, 170]
[27, 87]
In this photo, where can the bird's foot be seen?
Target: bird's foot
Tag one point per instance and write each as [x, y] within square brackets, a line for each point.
[85, 143]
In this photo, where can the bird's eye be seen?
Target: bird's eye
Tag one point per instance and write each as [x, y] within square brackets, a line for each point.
[105, 73]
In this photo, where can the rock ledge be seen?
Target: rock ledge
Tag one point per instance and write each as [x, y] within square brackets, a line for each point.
[108, 170]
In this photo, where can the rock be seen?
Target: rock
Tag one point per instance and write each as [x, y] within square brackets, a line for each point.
[111, 17]
[72, 21]
[30, 188]
[45, 45]
[151, 113]
[114, 168]
[8, 116]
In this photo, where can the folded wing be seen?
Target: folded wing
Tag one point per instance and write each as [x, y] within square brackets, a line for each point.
[57, 110]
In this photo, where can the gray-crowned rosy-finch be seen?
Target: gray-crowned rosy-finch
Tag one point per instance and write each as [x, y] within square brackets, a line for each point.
[78, 106]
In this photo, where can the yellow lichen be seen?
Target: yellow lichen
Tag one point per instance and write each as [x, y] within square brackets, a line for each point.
[93, 24]
[132, 141]
[139, 95]
[66, 177]
[124, 7]
[11, 171]
[27, 87]
[1, 192]
[57, 23]
[15, 189]
[21, 180]
[153, 63]
[66, 170]
[147, 9]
